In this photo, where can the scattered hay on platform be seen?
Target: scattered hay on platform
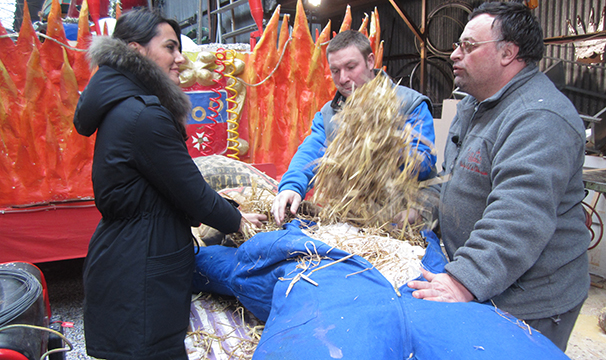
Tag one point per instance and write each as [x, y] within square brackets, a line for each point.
[399, 261]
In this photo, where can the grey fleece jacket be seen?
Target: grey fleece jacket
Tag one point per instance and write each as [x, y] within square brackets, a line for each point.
[511, 216]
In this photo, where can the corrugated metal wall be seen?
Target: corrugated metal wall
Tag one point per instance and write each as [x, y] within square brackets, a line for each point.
[585, 84]
[446, 20]
[184, 9]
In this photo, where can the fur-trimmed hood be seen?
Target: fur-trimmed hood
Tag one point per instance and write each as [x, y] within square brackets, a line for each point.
[124, 72]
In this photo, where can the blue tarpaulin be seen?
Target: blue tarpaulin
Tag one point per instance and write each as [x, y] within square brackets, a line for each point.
[354, 312]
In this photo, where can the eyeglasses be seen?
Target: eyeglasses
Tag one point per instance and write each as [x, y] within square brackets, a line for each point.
[468, 46]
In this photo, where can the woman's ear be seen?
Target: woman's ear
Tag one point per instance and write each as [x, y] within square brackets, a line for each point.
[138, 47]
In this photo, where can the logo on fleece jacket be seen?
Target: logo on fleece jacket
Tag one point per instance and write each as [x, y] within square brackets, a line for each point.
[472, 161]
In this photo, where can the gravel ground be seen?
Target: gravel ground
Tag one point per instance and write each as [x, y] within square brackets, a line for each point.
[64, 281]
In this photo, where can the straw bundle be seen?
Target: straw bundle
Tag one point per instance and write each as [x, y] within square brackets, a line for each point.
[368, 173]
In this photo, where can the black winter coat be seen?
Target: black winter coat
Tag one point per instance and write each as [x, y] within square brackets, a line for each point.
[140, 260]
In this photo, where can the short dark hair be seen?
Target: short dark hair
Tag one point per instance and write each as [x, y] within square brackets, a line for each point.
[347, 38]
[518, 25]
[140, 25]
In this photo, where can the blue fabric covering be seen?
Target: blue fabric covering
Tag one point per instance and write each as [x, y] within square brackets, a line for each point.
[356, 316]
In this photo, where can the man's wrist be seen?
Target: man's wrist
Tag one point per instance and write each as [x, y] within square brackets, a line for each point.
[464, 293]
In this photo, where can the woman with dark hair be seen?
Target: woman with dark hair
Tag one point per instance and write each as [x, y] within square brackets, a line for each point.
[140, 261]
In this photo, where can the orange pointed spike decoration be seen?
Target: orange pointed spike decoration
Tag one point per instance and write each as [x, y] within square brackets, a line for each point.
[26, 42]
[94, 8]
[379, 57]
[319, 53]
[377, 25]
[346, 24]
[41, 158]
[375, 39]
[260, 64]
[318, 68]
[364, 27]
[284, 31]
[51, 52]
[297, 96]
[81, 65]
[289, 85]
[9, 132]
[118, 11]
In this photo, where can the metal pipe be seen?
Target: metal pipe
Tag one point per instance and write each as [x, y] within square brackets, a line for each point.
[420, 35]
[423, 77]
[210, 20]
[199, 35]
[415, 30]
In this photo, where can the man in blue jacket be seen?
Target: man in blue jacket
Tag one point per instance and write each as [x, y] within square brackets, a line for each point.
[511, 217]
[351, 64]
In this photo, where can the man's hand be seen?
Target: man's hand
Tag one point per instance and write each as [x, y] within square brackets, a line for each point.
[411, 217]
[440, 287]
[254, 219]
[285, 197]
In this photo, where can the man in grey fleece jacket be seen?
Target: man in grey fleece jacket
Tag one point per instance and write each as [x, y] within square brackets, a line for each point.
[510, 215]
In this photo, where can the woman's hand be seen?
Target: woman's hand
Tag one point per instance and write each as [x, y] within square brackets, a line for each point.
[254, 219]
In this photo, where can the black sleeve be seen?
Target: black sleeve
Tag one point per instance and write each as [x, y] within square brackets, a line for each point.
[166, 164]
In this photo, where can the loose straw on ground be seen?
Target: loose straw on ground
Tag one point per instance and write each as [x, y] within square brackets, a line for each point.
[237, 347]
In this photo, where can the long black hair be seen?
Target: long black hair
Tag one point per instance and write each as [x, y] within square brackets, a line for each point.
[517, 25]
[141, 25]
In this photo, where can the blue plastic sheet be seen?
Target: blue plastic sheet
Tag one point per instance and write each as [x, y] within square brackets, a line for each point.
[354, 312]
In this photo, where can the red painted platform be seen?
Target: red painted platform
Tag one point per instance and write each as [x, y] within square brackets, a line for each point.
[47, 232]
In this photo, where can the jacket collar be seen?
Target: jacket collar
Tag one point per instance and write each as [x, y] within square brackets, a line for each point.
[518, 80]
[143, 72]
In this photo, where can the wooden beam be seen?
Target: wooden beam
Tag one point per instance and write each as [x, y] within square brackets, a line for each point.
[566, 39]
[423, 75]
